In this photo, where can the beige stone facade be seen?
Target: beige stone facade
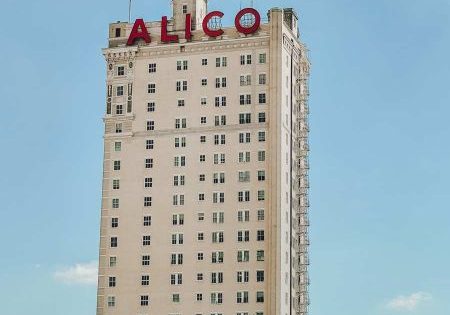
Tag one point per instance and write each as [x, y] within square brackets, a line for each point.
[205, 183]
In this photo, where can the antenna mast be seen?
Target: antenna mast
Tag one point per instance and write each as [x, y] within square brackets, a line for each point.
[129, 12]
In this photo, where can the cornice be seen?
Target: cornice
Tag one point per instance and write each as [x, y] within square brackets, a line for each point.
[197, 130]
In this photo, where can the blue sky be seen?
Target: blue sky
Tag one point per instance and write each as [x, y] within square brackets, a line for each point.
[380, 108]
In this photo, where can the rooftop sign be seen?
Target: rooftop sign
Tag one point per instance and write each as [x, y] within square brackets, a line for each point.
[140, 31]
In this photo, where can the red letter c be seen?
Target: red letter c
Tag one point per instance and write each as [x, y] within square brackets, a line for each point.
[206, 29]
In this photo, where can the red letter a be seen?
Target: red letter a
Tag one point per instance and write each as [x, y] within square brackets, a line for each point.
[139, 31]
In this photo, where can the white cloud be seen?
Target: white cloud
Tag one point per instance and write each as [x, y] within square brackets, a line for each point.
[78, 274]
[408, 303]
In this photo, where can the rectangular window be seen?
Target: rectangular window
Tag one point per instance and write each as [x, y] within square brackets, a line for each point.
[147, 201]
[176, 259]
[261, 117]
[204, 62]
[259, 297]
[261, 136]
[245, 80]
[150, 125]
[115, 203]
[261, 215]
[219, 158]
[120, 71]
[261, 156]
[112, 282]
[147, 221]
[262, 79]
[260, 235]
[203, 101]
[245, 118]
[152, 68]
[178, 200]
[179, 180]
[145, 280]
[219, 139]
[221, 62]
[176, 279]
[218, 217]
[262, 98]
[148, 182]
[242, 276]
[178, 219]
[111, 301]
[177, 239]
[243, 216]
[261, 195]
[148, 163]
[116, 184]
[244, 157]
[180, 123]
[246, 60]
[204, 82]
[149, 144]
[144, 300]
[179, 161]
[261, 176]
[119, 109]
[113, 241]
[112, 261]
[151, 88]
[114, 222]
[244, 196]
[182, 65]
[221, 82]
[146, 240]
[262, 58]
[260, 276]
[151, 107]
[118, 127]
[182, 86]
[260, 255]
[216, 298]
[119, 90]
[243, 236]
[245, 99]
[244, 137]
[243, 256]
[244, 176]
[217, 257]
[116, 165]
[217, 277]
[242, 297]
[217, 237]
[218, 197]
[180, 142]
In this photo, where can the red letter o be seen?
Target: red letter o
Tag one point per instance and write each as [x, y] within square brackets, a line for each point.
[251, 29]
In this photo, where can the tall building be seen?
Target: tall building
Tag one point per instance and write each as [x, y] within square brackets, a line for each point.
[205, 182]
